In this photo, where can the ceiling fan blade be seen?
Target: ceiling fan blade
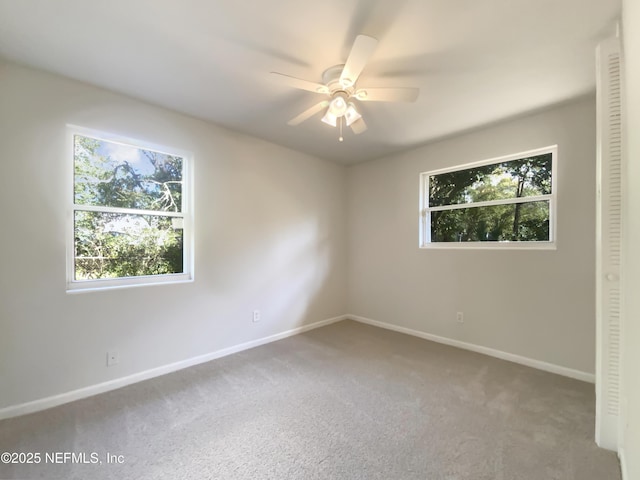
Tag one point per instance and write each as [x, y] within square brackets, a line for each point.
[400, 94]
[358, 126]
[301, 84]
[310, 112]
[361, 51]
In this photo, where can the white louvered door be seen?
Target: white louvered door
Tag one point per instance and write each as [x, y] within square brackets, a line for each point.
[609, 243]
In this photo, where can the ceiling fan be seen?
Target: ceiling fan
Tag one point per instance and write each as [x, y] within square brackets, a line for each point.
[339, 84]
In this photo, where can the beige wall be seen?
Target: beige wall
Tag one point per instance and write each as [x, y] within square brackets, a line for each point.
[536, 304]
[631, 225]
[269, 235]
[272, 233]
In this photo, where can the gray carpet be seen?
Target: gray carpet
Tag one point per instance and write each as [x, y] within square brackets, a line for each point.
[347, 401]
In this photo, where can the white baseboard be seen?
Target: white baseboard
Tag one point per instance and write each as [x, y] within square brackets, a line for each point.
[55, 400]
[529, 362]
[623, 464]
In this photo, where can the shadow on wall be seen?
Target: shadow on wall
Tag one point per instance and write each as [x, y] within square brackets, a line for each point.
[300, 265]
[272, 244]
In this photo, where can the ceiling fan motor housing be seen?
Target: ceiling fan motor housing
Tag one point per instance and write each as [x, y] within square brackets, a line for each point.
[331, 78]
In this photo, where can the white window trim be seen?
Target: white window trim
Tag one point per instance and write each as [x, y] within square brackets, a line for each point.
[425, 210]
[78, 286]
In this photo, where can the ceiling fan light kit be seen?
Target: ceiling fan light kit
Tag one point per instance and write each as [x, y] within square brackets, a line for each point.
[339, 83]
[330, 119]
[338, 106]
[351, 115]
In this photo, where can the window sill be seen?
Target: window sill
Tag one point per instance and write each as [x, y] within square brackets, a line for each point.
[489, 246]
[129, 282]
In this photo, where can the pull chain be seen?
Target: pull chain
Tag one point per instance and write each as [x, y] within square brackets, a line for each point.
[340, 138]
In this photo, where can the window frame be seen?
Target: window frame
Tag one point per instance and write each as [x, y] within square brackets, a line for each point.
[75, 286]
[425, 210]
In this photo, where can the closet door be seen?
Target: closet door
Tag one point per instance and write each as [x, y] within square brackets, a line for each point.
[609, 243]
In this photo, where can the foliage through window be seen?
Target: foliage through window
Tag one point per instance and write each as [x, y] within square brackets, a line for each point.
[129, 218]
[510, 200]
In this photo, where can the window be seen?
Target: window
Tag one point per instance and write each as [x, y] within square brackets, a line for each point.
[503, 202]
[131, 223]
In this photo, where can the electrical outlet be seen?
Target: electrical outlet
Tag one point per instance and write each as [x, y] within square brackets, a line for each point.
[256, 315]
[460, 317]
[113, 358]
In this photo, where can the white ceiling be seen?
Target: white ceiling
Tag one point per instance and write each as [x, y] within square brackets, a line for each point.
[474, 61]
